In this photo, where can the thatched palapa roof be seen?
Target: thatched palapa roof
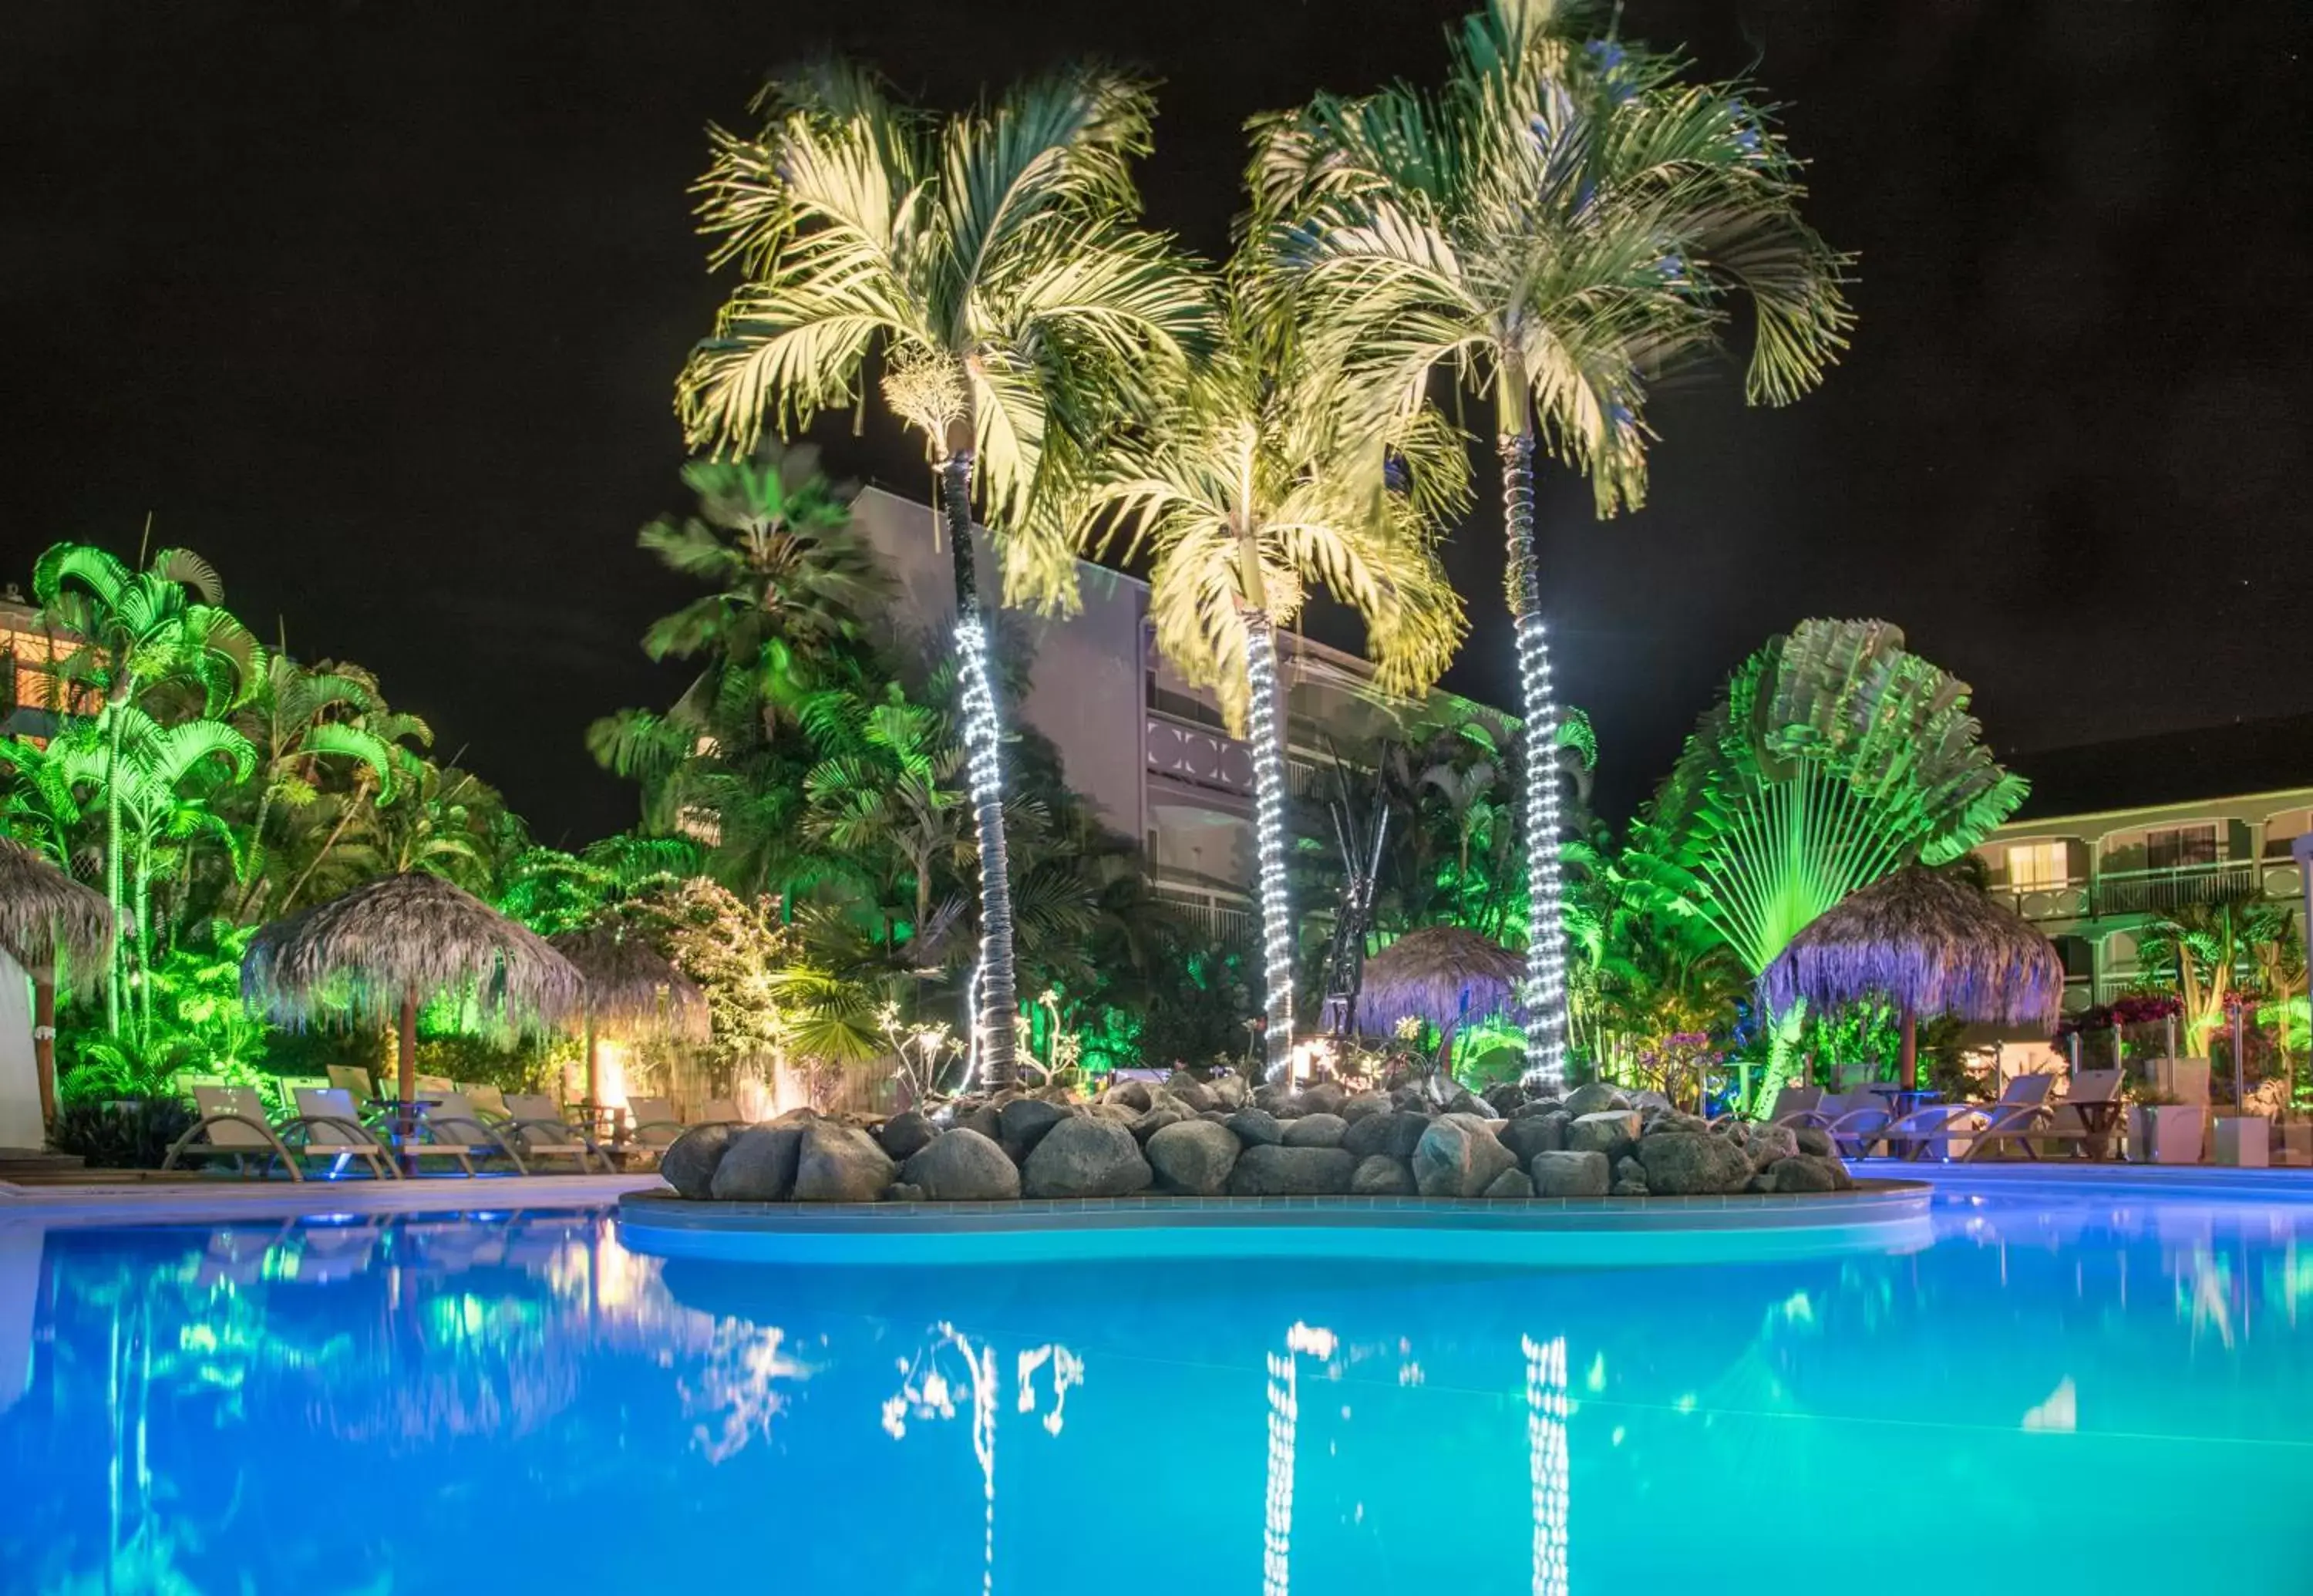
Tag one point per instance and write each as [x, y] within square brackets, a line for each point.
[632, 991]
[49, 921]
[1427, 973]
[409, 933]
[1922, 941]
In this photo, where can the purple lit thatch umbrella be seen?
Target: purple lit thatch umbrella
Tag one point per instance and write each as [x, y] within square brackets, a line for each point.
[1929, 944]
[1440, 974]
[392, 944]
[57, 930]
[631, 991]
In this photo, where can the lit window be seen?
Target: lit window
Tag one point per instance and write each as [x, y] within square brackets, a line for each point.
[2033, 866]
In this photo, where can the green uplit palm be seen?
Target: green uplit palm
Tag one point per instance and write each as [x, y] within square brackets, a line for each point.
[773, 539]
[989, 261]
[1250, 486]
[1834, 758]
[163, 782]
[1560, 225]
[303, 723]
[138, 629]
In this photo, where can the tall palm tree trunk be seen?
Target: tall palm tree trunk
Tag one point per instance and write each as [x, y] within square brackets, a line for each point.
[112, 876]
[1266, 723]
[1544, 998]
[999, 983]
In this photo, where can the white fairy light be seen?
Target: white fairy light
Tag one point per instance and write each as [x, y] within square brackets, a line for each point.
[1543, 992]
[1269, 834]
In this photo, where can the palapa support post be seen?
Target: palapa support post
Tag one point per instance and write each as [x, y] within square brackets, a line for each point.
[1908, 1072]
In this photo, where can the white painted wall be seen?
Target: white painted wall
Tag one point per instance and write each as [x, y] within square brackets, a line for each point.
[20, 1080]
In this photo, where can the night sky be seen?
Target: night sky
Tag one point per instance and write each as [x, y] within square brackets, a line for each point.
[379, 305]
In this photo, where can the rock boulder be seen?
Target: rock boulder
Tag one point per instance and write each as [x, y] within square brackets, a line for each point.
[689, 1164]
[1458, 1157]
[1316, 1130]
[963, 1166]
[1265, 1171]
[1559, 1174]
[1683, 1163]
[1086, 1157]
[1194, 1157]
[1381, 1175]
[838, 1163]
[759, 1165]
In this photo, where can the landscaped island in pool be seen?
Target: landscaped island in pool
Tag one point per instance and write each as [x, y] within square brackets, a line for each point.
[1212, 1137]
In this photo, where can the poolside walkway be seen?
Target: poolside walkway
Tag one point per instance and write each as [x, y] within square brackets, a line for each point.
[175, 1202]
[2021, 1175]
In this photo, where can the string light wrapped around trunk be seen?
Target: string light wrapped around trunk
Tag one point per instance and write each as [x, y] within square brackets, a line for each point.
[1264, 723]
[1543, 995]
[992, 1015]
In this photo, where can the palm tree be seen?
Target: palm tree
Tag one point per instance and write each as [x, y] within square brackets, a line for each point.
[989, 257]
[300, 720]
[1557, 226]
[1245, 490]
[136, 629]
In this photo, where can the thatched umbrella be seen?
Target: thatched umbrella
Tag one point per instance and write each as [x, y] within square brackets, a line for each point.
[399, 942]
[1928, 944]
[59, 931]
[1440, 974]
[631, 991]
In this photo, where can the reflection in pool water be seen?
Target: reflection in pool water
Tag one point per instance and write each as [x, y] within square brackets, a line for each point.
[2113, 1391]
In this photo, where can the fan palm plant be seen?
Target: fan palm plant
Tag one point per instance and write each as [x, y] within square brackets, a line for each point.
[991, 260]
[1251, 484]
[136, 629]
[1558, 226]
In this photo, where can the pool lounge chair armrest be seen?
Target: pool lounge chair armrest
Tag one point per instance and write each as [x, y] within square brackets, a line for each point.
[491, 1137]
[185, 1142]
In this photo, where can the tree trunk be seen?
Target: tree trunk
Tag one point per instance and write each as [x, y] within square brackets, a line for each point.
[144, 896]
[1544, 998]
[406, 1065]
[44, 1041]
[996, 1023]
[1266, 726]
[112, 883]
[594, 1066]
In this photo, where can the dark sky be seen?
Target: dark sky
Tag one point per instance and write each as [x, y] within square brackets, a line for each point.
[379, 302]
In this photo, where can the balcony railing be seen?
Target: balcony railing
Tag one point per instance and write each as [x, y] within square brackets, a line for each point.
[2153, 892]
[1218, 923]
[1198, 756]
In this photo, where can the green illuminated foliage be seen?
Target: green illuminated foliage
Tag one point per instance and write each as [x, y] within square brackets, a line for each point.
[1834, 757]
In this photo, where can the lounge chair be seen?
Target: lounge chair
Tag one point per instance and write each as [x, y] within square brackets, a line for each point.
[652, 1124]
[489, 1103]
[2095, 1091]
[1792, 1104]
[543, 1133]
[1964, 1130]
[718, 1111]
[328, 1125]
[448, 1130]
[232, 1125]
[1852, 1119]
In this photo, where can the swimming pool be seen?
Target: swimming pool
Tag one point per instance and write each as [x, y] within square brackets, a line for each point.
[2071, 1390]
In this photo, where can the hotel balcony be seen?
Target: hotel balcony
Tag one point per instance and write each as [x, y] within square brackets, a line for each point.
[2116, 894]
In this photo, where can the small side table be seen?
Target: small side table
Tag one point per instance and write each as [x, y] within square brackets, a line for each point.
[2097, 1123]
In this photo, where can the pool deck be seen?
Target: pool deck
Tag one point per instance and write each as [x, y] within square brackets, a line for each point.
[2020, 1176]
[177, 1201]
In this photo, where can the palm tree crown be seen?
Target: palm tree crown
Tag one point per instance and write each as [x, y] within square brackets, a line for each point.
[990, 258]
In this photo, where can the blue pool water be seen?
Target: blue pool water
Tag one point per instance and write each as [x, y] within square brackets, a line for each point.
[2064, 1392]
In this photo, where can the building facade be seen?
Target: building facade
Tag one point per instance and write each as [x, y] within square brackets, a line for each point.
[2115, 837]
[31, 696]
[1151, 751]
